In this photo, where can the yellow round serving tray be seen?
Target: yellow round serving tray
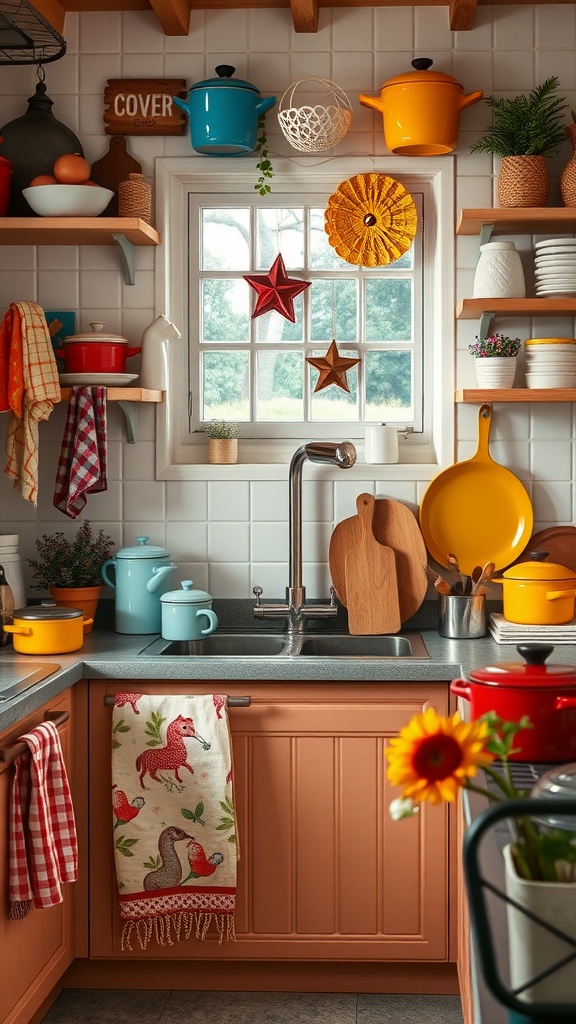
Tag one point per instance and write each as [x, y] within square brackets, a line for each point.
[370, 220]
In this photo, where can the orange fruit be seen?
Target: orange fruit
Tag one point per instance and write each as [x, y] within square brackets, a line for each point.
[71, 169]
[43, 179]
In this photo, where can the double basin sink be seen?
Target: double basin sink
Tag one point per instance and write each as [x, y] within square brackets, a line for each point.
[280, 645]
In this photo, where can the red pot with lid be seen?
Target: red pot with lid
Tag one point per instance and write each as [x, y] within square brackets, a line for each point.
[544, 692]
[97, 351]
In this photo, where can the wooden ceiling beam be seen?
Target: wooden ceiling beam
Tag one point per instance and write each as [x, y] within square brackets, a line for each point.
[173, 15]
[304, 15]
[462, 14]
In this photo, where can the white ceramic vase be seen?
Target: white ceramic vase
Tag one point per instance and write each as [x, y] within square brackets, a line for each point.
[532, 948]
[495, 371]
[499, 273]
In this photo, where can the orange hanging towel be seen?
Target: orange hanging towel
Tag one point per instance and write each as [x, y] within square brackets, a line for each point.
[29, 387]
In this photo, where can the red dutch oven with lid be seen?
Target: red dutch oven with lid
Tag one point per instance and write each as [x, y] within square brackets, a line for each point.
[97, 351]
[546, 693]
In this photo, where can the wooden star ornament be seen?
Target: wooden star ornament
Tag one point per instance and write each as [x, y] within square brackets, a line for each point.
[275, 290]
[332, 369]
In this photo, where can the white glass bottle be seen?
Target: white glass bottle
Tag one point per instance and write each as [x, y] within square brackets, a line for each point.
[499, 272]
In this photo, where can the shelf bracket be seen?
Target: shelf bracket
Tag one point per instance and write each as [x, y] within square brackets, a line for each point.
[130, 410]
[127, 257]
[485, 234]
[485, 322]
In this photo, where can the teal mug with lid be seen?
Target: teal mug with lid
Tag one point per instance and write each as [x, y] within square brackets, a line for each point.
[187, 613]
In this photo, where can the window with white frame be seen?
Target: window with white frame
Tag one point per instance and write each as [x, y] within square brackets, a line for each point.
[395, 320]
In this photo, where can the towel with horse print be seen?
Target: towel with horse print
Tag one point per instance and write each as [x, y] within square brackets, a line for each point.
[175, 846]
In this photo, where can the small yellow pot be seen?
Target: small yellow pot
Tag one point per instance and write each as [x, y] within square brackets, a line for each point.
[45, 629]
[538, 593]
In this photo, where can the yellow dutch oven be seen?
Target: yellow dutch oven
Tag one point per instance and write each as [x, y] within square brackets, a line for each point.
[47, 629]
[421, 110]
[538, 593]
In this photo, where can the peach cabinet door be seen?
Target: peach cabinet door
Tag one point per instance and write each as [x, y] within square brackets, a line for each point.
[34, 952]
[324, 872]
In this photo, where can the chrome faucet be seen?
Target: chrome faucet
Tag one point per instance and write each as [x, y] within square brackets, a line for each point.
[295, 610]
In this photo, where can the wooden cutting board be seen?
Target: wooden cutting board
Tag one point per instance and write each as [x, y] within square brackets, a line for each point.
[558, 541]
[396, 526]
[371, 585]
[113, 168]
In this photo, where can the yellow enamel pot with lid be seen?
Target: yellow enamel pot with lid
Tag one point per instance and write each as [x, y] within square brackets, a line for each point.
[421, 110]
[538, 593]
[47, 629]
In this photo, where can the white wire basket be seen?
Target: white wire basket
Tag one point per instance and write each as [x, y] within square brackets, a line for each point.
[314, 129]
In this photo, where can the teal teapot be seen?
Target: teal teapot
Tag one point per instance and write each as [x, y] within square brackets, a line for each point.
[223, 114]
[141, 575]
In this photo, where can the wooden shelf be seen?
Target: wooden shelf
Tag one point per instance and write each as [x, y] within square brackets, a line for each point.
[479, 395]
[535, 220]
[75, 231]
[472, 309]
[125, 394]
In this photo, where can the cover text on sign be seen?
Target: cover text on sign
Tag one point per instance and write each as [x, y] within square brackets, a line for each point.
[144, 106]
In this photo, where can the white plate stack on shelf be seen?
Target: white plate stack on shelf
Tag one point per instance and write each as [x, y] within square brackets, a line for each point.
[550, 362]
[555, 268]
[505, 632]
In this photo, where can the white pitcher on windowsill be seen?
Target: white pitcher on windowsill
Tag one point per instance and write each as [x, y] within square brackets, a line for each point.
[154, 356]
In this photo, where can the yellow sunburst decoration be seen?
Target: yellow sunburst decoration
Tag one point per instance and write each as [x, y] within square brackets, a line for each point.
[370, 220]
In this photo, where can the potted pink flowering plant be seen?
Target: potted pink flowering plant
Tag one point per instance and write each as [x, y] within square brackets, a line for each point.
[496, 357]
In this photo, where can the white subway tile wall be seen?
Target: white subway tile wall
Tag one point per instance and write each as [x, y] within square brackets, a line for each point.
[228, 537]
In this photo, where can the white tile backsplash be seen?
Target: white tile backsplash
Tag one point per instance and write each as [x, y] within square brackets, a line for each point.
[231, 536]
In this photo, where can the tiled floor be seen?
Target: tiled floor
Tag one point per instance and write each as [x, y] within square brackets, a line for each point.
[91, 1006]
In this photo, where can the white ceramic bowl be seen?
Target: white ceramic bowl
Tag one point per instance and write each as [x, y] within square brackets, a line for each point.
[549, 353]
[550, 380]
[68, 200]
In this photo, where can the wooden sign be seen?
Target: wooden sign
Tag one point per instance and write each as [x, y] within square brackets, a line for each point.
[144, 106]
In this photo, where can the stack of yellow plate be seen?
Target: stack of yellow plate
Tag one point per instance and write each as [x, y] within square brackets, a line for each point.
[551, 363]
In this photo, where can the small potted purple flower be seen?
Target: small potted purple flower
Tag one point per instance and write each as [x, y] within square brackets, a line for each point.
[496, 357]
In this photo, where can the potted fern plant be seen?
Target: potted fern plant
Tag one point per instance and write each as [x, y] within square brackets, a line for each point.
[525, 130]
[222, 442]
[71, 569]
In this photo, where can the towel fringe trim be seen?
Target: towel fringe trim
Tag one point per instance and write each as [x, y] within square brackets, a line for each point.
[168, 928]
[19, 909]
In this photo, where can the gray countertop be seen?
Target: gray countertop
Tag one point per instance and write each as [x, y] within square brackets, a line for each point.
[109, 655]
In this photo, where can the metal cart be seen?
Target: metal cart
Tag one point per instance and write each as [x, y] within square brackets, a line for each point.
[480, 892]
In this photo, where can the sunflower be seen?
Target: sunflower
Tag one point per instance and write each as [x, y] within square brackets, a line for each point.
[370, 220]
[433, 757]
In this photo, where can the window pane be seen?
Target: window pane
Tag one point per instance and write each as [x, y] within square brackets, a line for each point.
[334, 310]
[279, 389]
[322, 255]
[280, 230]
[389, 310]
[225, 239]
[332, 403]
[388, 385]
[225, 310]
[226, 386]
[273, 327]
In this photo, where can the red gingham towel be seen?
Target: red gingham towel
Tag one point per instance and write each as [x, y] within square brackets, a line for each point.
[82, 464]
[43, 849]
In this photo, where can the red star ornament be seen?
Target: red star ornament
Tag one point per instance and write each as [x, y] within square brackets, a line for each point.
[332, 369]
[276, 291]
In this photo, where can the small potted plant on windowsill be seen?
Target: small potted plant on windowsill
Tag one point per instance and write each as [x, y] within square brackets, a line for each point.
[495, 359]
[222, 442]
[71, 569]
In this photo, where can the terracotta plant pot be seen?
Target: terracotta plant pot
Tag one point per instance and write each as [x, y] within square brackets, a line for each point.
[85, 598]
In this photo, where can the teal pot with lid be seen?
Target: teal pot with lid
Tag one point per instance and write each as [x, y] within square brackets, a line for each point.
[223, 114]
[141, 574]
[187, 613]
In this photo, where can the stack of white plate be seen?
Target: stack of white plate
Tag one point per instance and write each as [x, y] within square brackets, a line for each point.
[555, 268]
[551, 362]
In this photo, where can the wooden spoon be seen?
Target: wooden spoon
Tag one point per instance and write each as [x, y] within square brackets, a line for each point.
[485, 577]
[442, 586]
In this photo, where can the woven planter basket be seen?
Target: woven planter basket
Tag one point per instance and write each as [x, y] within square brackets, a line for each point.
[568, 176]
[222, 450]
[135, 198]
[523, 181]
